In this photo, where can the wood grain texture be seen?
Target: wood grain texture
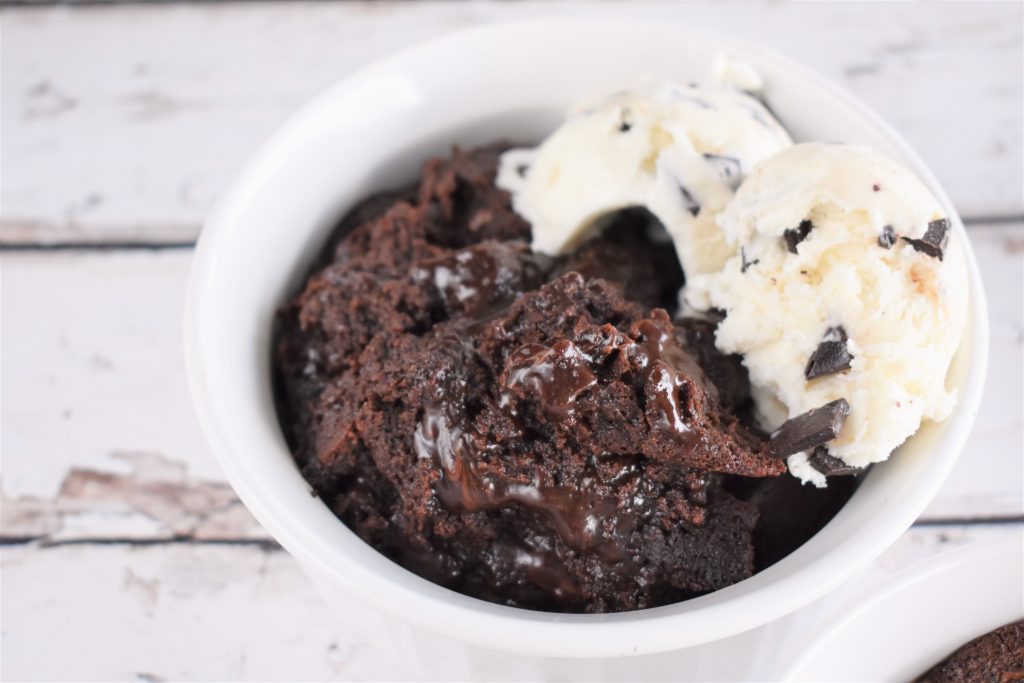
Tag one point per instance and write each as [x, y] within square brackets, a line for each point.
[205, 612]
[126, 555]
[126, 122]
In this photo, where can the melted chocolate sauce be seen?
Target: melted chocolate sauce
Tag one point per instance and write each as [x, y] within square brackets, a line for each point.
[585, 520]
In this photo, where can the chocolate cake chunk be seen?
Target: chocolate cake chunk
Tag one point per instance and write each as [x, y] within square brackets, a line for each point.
[997, 657]
[527, 430]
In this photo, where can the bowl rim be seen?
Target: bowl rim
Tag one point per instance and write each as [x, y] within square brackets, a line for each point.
[544, 633]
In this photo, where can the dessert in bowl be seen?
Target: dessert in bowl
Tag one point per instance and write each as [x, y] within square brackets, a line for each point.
[370, 134]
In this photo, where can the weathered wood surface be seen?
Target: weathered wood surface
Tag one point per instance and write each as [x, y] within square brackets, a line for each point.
[100, 439]
[178, 611]
[126, 122]
[126, 555]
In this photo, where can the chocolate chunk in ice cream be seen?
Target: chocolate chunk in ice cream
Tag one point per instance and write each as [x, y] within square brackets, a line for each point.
[934, 240]
[746, 263]
[811, 429]
[830, 466]
[831, 356]
[887, 238]
[795, 236]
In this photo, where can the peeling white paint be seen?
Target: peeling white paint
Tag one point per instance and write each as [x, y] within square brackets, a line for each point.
[948, 78]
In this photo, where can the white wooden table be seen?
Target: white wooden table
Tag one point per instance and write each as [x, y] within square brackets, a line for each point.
[125, 554]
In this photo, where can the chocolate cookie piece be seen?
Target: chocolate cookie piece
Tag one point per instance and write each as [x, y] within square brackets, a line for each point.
[997, 657]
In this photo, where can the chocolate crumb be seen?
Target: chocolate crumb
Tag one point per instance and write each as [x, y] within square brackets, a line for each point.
[692, 205]
[934, 240]
[744, 263]
[809, 430]
[522, 169]
[828, 465]
[795, 236]
[887, 238]
[831, 356]
[625, 127]
[876, 187]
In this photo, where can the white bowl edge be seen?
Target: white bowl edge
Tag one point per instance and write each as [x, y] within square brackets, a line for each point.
[707, 618]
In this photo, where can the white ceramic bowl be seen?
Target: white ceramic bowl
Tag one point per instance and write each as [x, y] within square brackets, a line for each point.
[370, 132]
[925, 614]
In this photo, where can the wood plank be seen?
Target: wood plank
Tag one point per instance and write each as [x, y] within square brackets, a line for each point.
[207, 612]
[135, 137]
[100, 439]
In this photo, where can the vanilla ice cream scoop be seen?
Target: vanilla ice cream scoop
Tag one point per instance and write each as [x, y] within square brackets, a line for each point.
[847, 283]
[679, 151]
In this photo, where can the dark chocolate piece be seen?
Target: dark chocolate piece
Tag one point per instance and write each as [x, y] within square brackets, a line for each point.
[997, 656]
[797, 235]
[522, 169]
[887, 238]
[876, 187]
[692, 205]
[934, 240]
[829, 465]
[744, 263]
[809, 430]
[625, 127]
[831, 356]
